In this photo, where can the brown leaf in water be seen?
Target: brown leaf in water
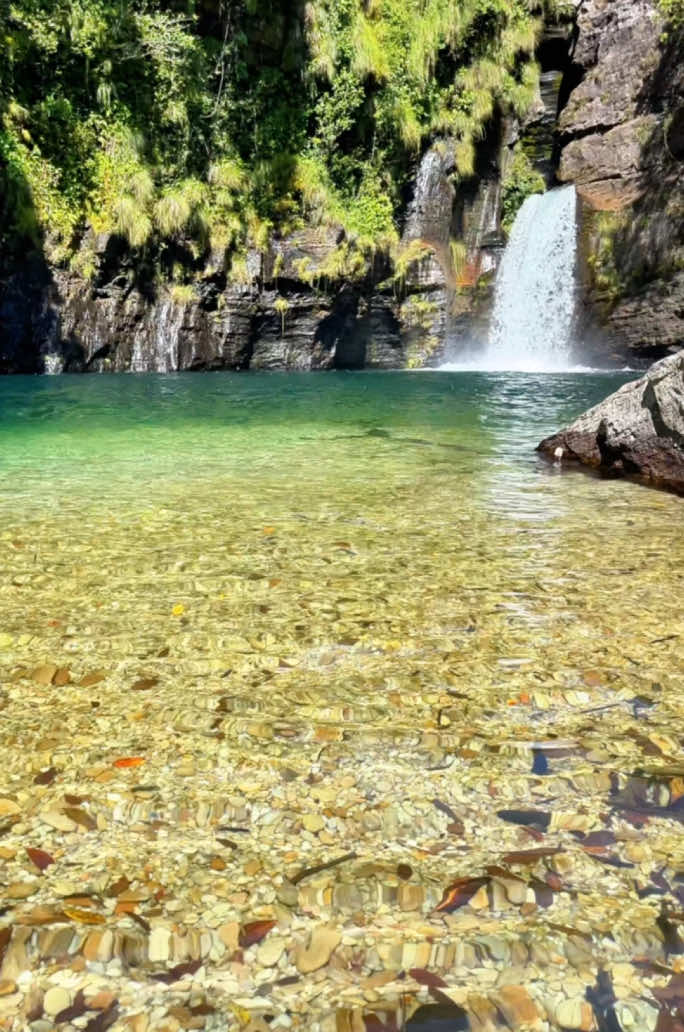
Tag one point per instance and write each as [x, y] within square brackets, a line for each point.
[537, 819]
[104, 1020]
[254, 932]
[5, 936]
[144, 684]
[74, 1010]
[372, 1023]
[543, 893]
[672, 994]
[529, 856]
[459, 893]
[120, 885]
[425, 977]
[404, 871]
[177, 972]
[456, 827]
[62, 677]
[40, 858]
[79, 816]
[46, 777]
[89, 680]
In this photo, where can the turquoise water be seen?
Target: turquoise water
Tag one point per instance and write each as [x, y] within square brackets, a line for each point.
[313, 607]
[101, 428]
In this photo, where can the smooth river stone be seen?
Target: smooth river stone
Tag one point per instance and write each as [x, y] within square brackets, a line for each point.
[55, 1000]
[321, 946]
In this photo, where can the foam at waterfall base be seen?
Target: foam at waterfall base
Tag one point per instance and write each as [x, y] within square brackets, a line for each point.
[524, 367]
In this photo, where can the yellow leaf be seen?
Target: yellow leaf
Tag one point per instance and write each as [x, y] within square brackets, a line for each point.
[84, 916]
[178, 609]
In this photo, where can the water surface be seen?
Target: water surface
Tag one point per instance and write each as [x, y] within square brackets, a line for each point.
[366, 618]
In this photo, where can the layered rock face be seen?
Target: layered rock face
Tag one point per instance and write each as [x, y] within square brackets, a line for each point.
[622, 148]
[637, 432]
[619, 139]
[280, 318]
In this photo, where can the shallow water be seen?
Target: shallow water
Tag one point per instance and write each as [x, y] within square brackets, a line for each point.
[354, 595]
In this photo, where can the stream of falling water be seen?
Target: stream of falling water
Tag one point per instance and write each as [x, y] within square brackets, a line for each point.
[534, 303]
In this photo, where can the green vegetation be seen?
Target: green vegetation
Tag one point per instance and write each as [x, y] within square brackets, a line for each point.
[195, 129]
[520, 182]
[673, 10]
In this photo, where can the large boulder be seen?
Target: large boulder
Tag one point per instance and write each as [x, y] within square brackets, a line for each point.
[637, 432]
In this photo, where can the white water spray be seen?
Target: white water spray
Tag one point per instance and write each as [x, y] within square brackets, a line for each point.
[534, 300]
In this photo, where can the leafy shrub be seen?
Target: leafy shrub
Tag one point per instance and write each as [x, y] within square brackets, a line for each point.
[520, 182]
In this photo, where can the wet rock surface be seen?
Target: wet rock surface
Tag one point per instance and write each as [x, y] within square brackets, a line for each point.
[618, 133]
[638, 431]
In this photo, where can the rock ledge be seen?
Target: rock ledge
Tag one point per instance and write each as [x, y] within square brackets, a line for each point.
[636, 432]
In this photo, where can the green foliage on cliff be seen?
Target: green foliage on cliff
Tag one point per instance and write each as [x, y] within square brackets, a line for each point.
[673, 10]
[521, 180]
[204, 126]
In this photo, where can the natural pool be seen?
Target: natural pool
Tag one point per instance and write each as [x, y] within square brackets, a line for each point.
[325, 700]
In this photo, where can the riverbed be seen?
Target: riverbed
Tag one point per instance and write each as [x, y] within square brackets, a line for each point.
[326, 700]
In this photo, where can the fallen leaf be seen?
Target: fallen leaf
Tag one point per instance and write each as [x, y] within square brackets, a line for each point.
[424, 977]
[144, 684]
[39, 857]
[529, 856]
[79, 816]
[459, 893]
[75, 1010]
[177, 972]
[84, 916]
[104, 1020]
[129, 761]
[528, 818]
[46, 777]
[89, 680]
[120, 885]
[178, 609]
[254, 932]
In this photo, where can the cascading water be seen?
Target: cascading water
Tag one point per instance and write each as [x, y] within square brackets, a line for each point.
[534, 300]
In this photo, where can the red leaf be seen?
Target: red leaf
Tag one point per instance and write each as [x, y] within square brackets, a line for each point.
[190, 967]
[39, 857]
[460, 892]
[425, 977]
[254, 932]
[129, 761]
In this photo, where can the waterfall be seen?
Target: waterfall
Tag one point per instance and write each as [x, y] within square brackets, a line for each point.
[534, 299]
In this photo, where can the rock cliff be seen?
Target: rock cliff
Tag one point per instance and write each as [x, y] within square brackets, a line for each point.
[620, 136]
[636, 432]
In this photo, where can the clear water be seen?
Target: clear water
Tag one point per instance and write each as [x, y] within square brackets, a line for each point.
[369, 580]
